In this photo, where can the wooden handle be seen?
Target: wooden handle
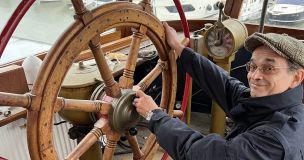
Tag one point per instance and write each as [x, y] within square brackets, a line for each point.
[15, 100]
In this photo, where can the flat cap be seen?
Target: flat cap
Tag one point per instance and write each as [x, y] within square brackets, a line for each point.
[284, 45]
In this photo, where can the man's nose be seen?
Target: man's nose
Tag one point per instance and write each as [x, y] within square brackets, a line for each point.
[257, 74]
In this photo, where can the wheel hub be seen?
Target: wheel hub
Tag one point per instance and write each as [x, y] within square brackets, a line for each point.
[123, 114]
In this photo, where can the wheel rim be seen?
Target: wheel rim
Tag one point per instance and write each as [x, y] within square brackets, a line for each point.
[61, 57]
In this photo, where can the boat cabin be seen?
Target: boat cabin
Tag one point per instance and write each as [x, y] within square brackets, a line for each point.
[69, 70]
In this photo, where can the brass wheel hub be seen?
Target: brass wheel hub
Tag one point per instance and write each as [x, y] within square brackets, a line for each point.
[123, 114]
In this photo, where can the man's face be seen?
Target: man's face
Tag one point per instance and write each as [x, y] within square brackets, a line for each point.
[264, 83]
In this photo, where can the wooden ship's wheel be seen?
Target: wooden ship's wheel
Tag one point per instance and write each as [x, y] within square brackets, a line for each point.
[117, 114]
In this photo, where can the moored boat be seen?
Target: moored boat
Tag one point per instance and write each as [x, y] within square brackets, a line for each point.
[286, 11]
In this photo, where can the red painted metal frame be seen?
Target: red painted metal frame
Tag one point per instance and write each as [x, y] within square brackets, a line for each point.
[187, 35]
[188, 80]
[13, 22]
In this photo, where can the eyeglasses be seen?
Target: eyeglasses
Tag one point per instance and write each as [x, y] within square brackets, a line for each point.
[264, 68]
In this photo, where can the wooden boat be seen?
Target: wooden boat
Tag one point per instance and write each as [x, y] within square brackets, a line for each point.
[103, 107]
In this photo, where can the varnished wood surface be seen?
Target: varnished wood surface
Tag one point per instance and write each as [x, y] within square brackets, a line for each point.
[70, 105]
[61, 57]
[233, 8]
[198, 24]
[16, 113]
[126, 81]
[296, 33]
[9, 75]
[12, 80]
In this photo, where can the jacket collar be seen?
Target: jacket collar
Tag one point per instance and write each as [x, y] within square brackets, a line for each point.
[250, 109]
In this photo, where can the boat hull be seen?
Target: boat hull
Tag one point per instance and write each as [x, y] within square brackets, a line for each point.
[286, 13]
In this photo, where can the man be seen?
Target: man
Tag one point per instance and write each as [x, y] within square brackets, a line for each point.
[269, 116]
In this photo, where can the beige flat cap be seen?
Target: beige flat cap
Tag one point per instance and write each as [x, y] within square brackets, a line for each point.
[284, 45]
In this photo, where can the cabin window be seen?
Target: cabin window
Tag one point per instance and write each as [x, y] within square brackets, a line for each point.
[186, 8]
[40, 27]
[280, 13]
[46, 20]
[165, 10]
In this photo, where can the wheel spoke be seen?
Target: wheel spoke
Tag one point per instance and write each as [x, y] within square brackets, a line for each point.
[82, 105]
[86, 31]
[137, 153]
[112, 88]
[112, 138]
[100, 127]
[126, 80]
[15, 100]
[150, 147]
[157, 70]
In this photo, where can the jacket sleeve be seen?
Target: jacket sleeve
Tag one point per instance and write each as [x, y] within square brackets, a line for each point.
[212, 79]
[183, 143]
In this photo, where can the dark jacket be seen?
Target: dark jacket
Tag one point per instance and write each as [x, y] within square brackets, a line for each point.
[267, 128]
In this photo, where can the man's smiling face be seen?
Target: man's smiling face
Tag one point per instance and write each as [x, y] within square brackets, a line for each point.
[269, 73]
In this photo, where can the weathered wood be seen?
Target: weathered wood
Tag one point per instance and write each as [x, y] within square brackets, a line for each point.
[79, 7]
[150, 147]
[99, 128]
[137, 153]
[126, 81]
[105, 39]
[146, 4]
[152, 75]
[233, 8]
[15, 100]
[16, 114]
[112, 89]
[13, 80]
[82, 105]
[44, 101]
[32, 135]
[107, 47]
[111, 86]
[19, 62]
[110, 38]
[67, 48]
[112, 138]
[296, 33]
[117, 45]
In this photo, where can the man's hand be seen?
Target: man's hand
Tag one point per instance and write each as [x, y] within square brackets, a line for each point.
[172, 39]
[144, 103]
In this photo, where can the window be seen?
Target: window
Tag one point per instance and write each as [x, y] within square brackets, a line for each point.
[186, 8]
[282, 13]
[194, 9]
[46, 20]
[40, 27]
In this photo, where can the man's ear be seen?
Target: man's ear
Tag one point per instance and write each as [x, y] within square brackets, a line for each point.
[298, 78]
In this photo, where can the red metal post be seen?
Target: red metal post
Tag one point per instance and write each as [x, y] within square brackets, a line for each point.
[13, 22]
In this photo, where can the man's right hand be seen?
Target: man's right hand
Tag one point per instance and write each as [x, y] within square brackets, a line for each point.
[172, 39]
